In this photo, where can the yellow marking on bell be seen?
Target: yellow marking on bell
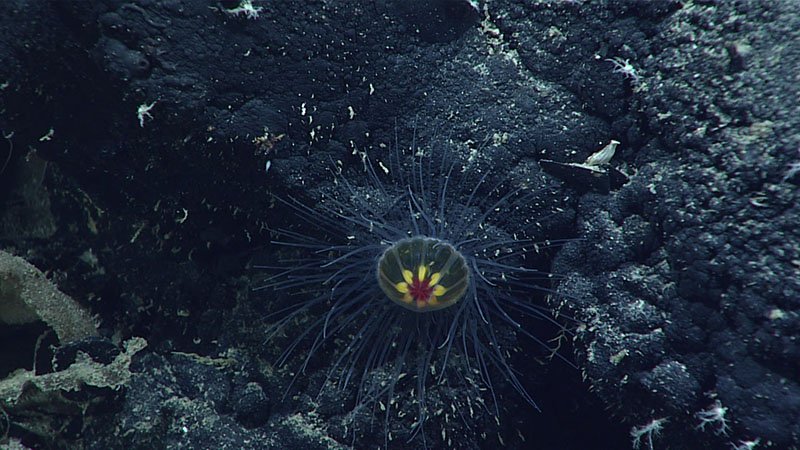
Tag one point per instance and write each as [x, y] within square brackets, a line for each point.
[435, 278]
[439, 290]
[421, 272]
[401, 287]
[408, 276]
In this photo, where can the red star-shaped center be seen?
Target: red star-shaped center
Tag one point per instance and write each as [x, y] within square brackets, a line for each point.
[420, 290]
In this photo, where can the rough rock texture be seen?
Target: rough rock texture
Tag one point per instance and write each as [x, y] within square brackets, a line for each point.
[26, 295]
[142, 140]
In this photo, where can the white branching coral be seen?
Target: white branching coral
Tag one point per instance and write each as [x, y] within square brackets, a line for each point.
[624, 67]
[653, 428]
[714, 414]
[246, 9]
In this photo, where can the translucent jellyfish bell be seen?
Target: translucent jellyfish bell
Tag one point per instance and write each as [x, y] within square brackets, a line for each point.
[423, 274]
